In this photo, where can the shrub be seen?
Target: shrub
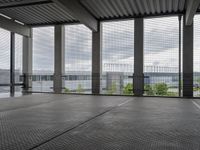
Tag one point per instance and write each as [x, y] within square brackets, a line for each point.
[149, 90]
[160, 89]
[128, 89]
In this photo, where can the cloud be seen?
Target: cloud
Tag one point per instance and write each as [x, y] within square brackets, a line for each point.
[161, 34]
[167, 58]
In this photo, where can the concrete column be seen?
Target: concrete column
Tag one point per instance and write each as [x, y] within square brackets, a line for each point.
[96, 61]
[138, 78]
[187, 60]
[27, 63]
[59, 62]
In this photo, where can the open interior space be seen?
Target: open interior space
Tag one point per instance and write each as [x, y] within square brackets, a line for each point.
[100, 74]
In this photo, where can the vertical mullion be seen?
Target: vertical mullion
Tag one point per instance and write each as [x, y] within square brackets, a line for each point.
[12, 63]
[180, 36]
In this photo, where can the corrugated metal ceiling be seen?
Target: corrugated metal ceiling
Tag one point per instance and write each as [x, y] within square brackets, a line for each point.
[38, 12]
[41, 13]
[10, 1]
[108, 9]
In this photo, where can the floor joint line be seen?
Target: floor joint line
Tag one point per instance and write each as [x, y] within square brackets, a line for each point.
[196, 104]
[82, 123]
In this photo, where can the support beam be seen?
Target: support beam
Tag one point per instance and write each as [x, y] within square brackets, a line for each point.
[187, 60]
[138, 78]
[14, 4]
[191, 9]
[27, 63]
[12, 63]
[59, 66]
[12, 26]
[74, 8]
[96, 62]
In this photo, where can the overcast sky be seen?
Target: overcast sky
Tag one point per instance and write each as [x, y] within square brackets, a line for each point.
[160, 45]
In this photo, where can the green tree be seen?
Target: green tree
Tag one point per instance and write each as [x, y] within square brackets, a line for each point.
[128, 89]
[79, 89]
[149, 90]
[160, 89]
[112, 89]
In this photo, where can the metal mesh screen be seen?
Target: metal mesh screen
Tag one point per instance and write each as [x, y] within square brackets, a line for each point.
[196, 62]
[78, 59]
[43, 59]
[4, 60]
[117, 57]
[161, 56]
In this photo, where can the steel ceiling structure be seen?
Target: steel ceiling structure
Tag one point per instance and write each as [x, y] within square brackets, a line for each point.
[48, 12]
[108, 9]
[32, 13]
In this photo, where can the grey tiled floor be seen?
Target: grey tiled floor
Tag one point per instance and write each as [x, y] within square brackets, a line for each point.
[76, 122]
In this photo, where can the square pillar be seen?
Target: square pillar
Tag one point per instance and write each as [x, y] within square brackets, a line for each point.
[27, 63]
[96, 61]
[138, 77]
[187, 60]
[59, 58]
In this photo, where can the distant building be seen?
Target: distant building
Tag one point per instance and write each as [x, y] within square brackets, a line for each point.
[112, 67]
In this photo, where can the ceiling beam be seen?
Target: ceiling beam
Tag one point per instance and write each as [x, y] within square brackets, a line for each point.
[75, 9]
[23, 3]
[191, 8]
[12, 26]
